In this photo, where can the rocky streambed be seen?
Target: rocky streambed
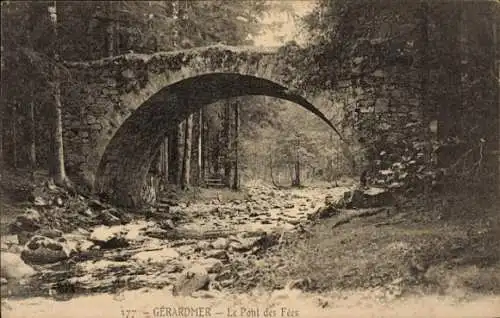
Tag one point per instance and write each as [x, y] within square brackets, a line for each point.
[207, 246]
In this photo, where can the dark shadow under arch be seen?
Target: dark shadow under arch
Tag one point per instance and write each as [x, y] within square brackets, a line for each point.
[125, 163]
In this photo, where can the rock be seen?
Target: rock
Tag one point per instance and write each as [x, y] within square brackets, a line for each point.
[227, 274]
[59, 201]
[84, 246]
[156, 257]
[29, 221]
[121, 215]
[87, 212]
[289, 206]
[220, 243]
[3, 281]
[191, 280]
[109, 237]
[107, 218]
[9, 240]
[157, 232]
[377, 197]
[227, 283]
[244, 244]
[203, 245]
[39, 201]
[185, 249]
[96, 204]
[218, 254]
[44, 250]
[324, 212]
[13, 267]
[51, 233]
[212, 265]
[167, 224]
[371, 197]
[329, 199]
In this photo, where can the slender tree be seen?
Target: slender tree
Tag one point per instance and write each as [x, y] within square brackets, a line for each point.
[236, 112]
[110, 29]
[180, 152]
[186, 160]
[59, 171]
[14, 134]
[199, 162]
[33, 164]
[227, 147]
[165, 160]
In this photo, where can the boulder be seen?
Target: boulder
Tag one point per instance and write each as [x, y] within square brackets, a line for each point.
[365, 198]
[107, 218]
[13, 267]
[191, 280]
[218, 254]
[109, 237]
[243, 244]
[29, 221]
[44, 250]
[202, 245]
[185, 249]
[212, 265]
[156, 257]
[220, 243]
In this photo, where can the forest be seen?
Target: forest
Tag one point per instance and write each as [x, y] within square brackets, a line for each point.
[252, 192]
[378, 61]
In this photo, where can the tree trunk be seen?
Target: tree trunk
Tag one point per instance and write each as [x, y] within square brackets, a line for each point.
[186, 166]
[59, 172]
[110, 30]
[2, 116]
[296, 181]
[14, 135]
[205, 145]
[271, 170]
[180, 152]
[429, 111]
[236, 181]
[199, 167]
[448, 108]
[164, 161]
[32, 138]
[227, 148]
[173, 155]
[495, 162]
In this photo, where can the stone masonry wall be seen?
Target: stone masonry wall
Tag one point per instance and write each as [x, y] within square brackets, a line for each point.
[102, 94]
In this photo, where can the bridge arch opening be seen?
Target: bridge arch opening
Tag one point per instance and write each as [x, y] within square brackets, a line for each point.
[127, 158]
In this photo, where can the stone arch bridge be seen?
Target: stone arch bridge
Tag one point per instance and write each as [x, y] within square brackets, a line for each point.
[117, 110]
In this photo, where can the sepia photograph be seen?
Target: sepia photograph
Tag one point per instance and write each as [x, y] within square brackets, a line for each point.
[250, 158]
